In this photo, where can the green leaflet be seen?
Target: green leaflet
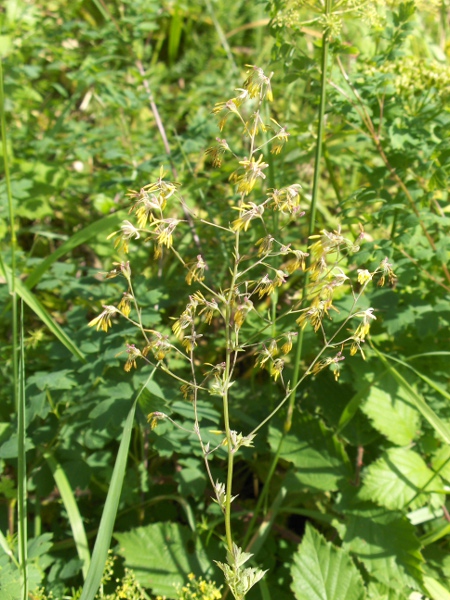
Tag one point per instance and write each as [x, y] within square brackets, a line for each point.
[163, 554]
[385, 542]
[400, 478]
[320, 571]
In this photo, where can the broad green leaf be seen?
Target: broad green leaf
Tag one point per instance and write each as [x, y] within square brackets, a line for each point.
[73, 514]
[163, 554]
[386, 544]
[391, 412]
[321, 571]
[81, 237]
[378, 591]
[319, 458]
[400, 478]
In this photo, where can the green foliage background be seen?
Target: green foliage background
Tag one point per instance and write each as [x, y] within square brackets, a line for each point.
[360, 488]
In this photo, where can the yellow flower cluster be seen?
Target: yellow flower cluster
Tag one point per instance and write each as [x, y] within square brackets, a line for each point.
[199, 589]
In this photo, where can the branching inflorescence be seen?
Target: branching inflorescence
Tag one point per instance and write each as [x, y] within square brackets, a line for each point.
[262, 267]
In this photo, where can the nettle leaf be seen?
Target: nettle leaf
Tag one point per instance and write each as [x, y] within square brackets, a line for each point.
[391, 412]
[319, 458]
[441, 462]
[163, 554]
[386, 544]
[320, 571]
[400, 478]
[378, 591]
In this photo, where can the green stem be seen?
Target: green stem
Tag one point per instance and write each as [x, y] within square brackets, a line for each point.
[315, 195]
[312, 224]
[22, 470]
[227, 377]
[11, 214]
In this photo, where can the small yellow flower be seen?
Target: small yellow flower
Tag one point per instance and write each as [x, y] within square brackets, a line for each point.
[185, 319]
[267, 353]
[125, 304]
[127, 232]
[242, 311]
[276, 368]
[133, 353]
[164, 232]
[196, 270]
[122, 268]
[286, 199]
[190, 341]
[297, 262]
[265, 245]
[216, 152]
[387, 271]
[315, 313]
[287, 346]
[359, 337]
[246, 176]
[258, 84]
[364, 276]
[249, 212]
[103, 320]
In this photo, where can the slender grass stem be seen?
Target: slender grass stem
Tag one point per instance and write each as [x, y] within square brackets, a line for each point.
[22, 468]
[312, 223]
[11, 216]
[18, 367]
[227, 377]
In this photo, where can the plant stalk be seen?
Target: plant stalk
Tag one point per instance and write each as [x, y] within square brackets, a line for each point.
[311, 228]
[11, 215]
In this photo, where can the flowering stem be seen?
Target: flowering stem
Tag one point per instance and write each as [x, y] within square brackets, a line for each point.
[312, 215]
[312, 222]
[227, 377]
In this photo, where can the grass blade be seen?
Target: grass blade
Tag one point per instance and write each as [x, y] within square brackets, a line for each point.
[427, 380]
[81, 237]
[70, 504]
[7, 550]
[30, 299]
[105, 531]
[438, 425]
[435, 590]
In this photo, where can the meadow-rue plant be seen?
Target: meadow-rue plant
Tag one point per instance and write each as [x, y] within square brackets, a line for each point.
[266, 266]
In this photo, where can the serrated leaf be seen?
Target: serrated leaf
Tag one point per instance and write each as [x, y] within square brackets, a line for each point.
[163, 554]
[386, 544]
[399, 478]
[321, 571]
[378, 591]
[441, 462]
[319, 458]
[391, 412]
